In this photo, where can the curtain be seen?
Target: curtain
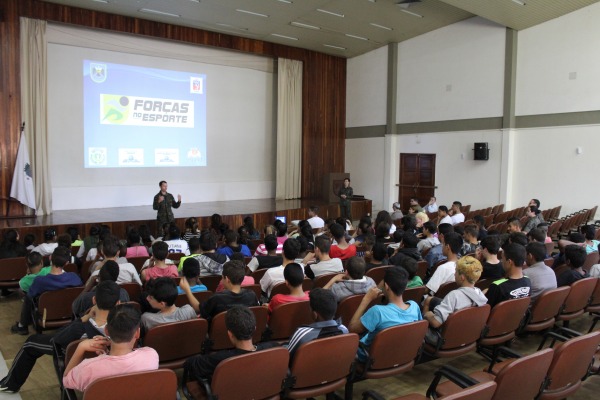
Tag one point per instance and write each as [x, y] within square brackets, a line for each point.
[34, 106]
[289, 129]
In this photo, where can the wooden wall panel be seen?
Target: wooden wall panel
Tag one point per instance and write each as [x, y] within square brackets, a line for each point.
[324, 87]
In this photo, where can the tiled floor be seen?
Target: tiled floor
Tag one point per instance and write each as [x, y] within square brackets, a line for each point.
[42, 384]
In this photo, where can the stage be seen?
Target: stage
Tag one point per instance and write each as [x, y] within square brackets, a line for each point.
[263, 211]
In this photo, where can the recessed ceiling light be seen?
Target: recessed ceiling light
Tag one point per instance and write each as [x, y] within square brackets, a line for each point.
[414, 14]
[334, 47]
[101, 1]
[195, 1]
[519, 2]
[307, 26]
[381, 26]
[285, 1]
[283, 36]
[330, 12]
[231, 26]
[151, 11]
[356, 37]
[252, 13]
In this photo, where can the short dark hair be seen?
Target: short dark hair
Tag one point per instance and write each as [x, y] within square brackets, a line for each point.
[323, 302]
[479, 220]
[191, 268]
[445, 229]
[471, 230]
[491, 244]
[337, 231]
[49, 233]
[293, 274]
[443, 208]
[382, 230]
[194, 244]
[240, 321]
[164, 290]
[537, 251]
[379, 251]
[281, 229]
[160, 250]
[588, 231]
[537, 234]
[314, 209]
[109, 271]
[107, 295]
[234, 270]
[133, 237]
[356, 267]
[409, 240]
[577, 237]
[61, 256]
[271, 242]
[454, 241]
[576, 255]
[430, 226]
[516, 253]
[291, 249]
[514, 221]
[537, 202]
[161, 182]
[396, 278]
[34, 259]
[518, 237]
[457, 203]
[110, 245]
[410, 265]
[208, 241]
[123, 322]
[323, 244]
[174, 232]
[231, 236]
[73, 232]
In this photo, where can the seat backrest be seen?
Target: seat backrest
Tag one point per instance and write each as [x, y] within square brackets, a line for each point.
[579, 295]
[595, 300]
[57, 304]
[157, 384]
[415, 294]
[422, 267]
[445, 288]
[523, 378]
[572, 360]
[177, 340]
[322, 280]
[259, 273]
[385, 351]
[255, 382]
[481, 391]
[347, 307]
[549, 304]
[12, 269]
[590, 260]
[287, 317]
[321, 361]
[211, 282]
[138, 262]
[133, 289]
[506, 316]
[255, 288]
[377, 273]
[464, 326]
[218, 337]
[182, 299]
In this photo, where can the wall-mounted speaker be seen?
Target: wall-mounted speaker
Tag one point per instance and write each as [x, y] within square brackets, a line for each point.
[481, 151]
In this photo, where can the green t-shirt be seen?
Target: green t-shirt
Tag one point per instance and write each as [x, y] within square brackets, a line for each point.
[27, 280]
[415, 282]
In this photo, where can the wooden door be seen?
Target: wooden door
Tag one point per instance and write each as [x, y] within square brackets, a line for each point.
[417, 178]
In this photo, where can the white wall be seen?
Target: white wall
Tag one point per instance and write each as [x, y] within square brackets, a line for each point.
[547, 56]
[366, 89]
[364, 162]
[455, 72]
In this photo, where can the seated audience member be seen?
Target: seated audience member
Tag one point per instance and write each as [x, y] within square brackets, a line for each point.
[408, 248]
[162, 295]
[363, 249]
[575, 258]
[10, 246]
[89, 242]
[432, 206]
[379, 317]
[323, 306]
[233, 295]
[492, 266]
[384, 217]
[514, 225]
[194, 245]
[342, 249]
[536, 235]
[420, 219]
[281, 231]
[541, 276]
[314, 220]
[90, 325]
[108, 272]
[134, 246]
[456, 214]
[119, 352]
[396, 212]
[35, 268]
[253, 233]
[47, 248]
[191, 273]
[429, 240]
[534, 219]
[410, 265]
[232, 246]
[191, 229]
[158, 268]
[325, 264]
[248, 280]
[56, 279]
[241, 324]
[110, 252]
[408, 224]
[585, 239]
[470, 242]
[517, 238]
[468, 271]
[377, 257]
[414, 206]
[515, 285]
[175, 242]
[363, 229]
[274, 275]
[534, 202]
[480, 223]
[353, 281]
[382, 233]
[436, 253]
[211, 262]
[443, 217]
[29, 242]
[294, 276]
[452, 244]
[595, 270]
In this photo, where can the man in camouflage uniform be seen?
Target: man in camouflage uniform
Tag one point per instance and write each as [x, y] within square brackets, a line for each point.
[164, 203]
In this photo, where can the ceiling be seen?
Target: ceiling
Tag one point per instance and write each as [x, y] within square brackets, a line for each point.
[344, 28]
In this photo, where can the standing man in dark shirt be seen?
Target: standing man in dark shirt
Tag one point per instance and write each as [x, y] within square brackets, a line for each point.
[515, 285]
[164, 202]
[345, 193]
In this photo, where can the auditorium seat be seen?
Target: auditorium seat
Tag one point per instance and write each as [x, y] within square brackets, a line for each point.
[544, 310]
[177, 341]
[11, 271]
[157, 384]
[577, 300]
[217, 334]
[502, 323]
[54, 308]
[286, 318]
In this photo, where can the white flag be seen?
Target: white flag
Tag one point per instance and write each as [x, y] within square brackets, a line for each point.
[22, 183]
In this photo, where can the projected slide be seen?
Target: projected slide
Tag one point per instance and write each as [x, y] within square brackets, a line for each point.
[143, 117]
